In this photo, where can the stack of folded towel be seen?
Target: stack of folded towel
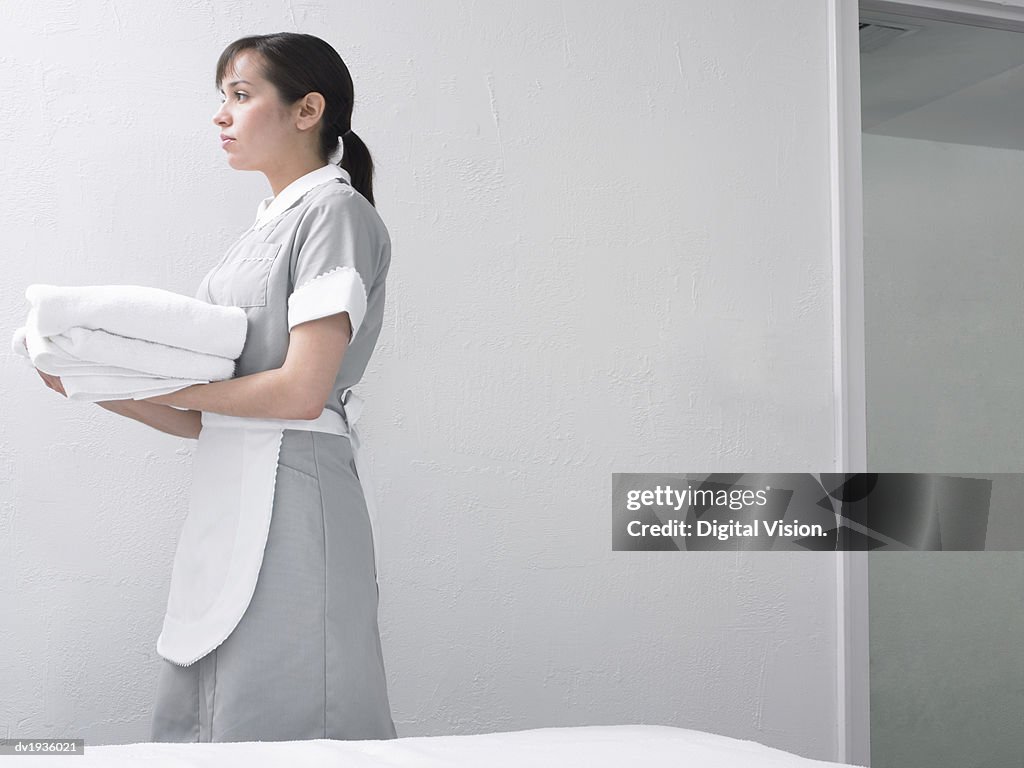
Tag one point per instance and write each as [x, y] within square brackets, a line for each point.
[114, 342]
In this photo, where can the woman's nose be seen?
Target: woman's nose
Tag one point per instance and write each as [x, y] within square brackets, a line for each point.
[220, 117]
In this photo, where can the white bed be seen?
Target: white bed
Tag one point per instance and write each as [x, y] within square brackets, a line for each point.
[621, 746]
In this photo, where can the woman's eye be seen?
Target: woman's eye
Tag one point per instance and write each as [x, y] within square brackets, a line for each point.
[241, 95]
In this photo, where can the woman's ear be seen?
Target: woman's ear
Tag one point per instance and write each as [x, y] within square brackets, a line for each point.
[311, 110]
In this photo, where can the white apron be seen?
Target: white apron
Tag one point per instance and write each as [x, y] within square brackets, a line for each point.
[224, 535]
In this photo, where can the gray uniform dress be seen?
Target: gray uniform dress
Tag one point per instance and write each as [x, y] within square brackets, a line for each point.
[305, 660]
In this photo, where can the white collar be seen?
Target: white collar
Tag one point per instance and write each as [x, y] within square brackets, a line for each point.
[270, 207]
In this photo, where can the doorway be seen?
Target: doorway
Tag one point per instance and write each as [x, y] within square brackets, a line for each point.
[942, 165]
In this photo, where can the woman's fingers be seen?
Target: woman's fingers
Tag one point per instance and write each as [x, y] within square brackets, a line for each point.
[53, 382]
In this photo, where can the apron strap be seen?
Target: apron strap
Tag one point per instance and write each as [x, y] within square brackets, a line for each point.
[327, 421]
[353, 406]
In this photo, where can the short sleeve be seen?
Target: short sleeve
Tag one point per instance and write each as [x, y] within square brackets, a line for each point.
[334, 262]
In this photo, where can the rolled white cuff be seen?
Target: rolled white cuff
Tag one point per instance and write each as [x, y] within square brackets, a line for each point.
[339, 290]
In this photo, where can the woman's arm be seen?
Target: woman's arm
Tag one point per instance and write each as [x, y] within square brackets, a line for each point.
[263, 395]
[297, 390]
[162, 417]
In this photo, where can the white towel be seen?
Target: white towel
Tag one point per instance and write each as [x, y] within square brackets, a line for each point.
[47, 354]
[94, 389]
[82, 346]
[97, 364]
[18, 342]
[141, 312]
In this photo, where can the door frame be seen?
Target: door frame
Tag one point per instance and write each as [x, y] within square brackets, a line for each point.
[853, 685]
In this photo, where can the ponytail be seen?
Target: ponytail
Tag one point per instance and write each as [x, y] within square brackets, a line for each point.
[359, 164]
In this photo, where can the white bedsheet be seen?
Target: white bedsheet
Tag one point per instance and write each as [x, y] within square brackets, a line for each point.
[599, 746]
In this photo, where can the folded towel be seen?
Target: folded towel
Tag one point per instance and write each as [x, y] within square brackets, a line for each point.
[93, 389]
[99, 363]
[92, 383]
[83, 344]
[18, 342]
[81, 351]
[141, 312]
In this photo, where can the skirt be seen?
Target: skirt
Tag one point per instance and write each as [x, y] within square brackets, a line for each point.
[305, 660]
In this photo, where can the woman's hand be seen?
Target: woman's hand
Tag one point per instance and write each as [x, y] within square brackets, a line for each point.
[53, 382]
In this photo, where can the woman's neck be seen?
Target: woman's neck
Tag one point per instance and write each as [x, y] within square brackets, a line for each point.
[282, 176]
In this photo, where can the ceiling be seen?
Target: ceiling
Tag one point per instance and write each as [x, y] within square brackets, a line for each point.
[942, 81]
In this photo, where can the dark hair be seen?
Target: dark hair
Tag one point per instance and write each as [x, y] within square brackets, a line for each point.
[297, 64]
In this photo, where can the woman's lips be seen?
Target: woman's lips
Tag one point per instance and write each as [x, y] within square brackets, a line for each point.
[225, 140]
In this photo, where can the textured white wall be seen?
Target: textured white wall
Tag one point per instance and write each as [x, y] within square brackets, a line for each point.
[611, 253]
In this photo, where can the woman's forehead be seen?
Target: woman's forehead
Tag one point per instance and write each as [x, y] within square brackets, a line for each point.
[244, 66]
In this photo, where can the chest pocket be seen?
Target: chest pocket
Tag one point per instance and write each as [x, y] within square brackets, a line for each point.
[242, 280]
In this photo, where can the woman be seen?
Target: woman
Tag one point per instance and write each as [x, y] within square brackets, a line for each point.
[286, 645]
